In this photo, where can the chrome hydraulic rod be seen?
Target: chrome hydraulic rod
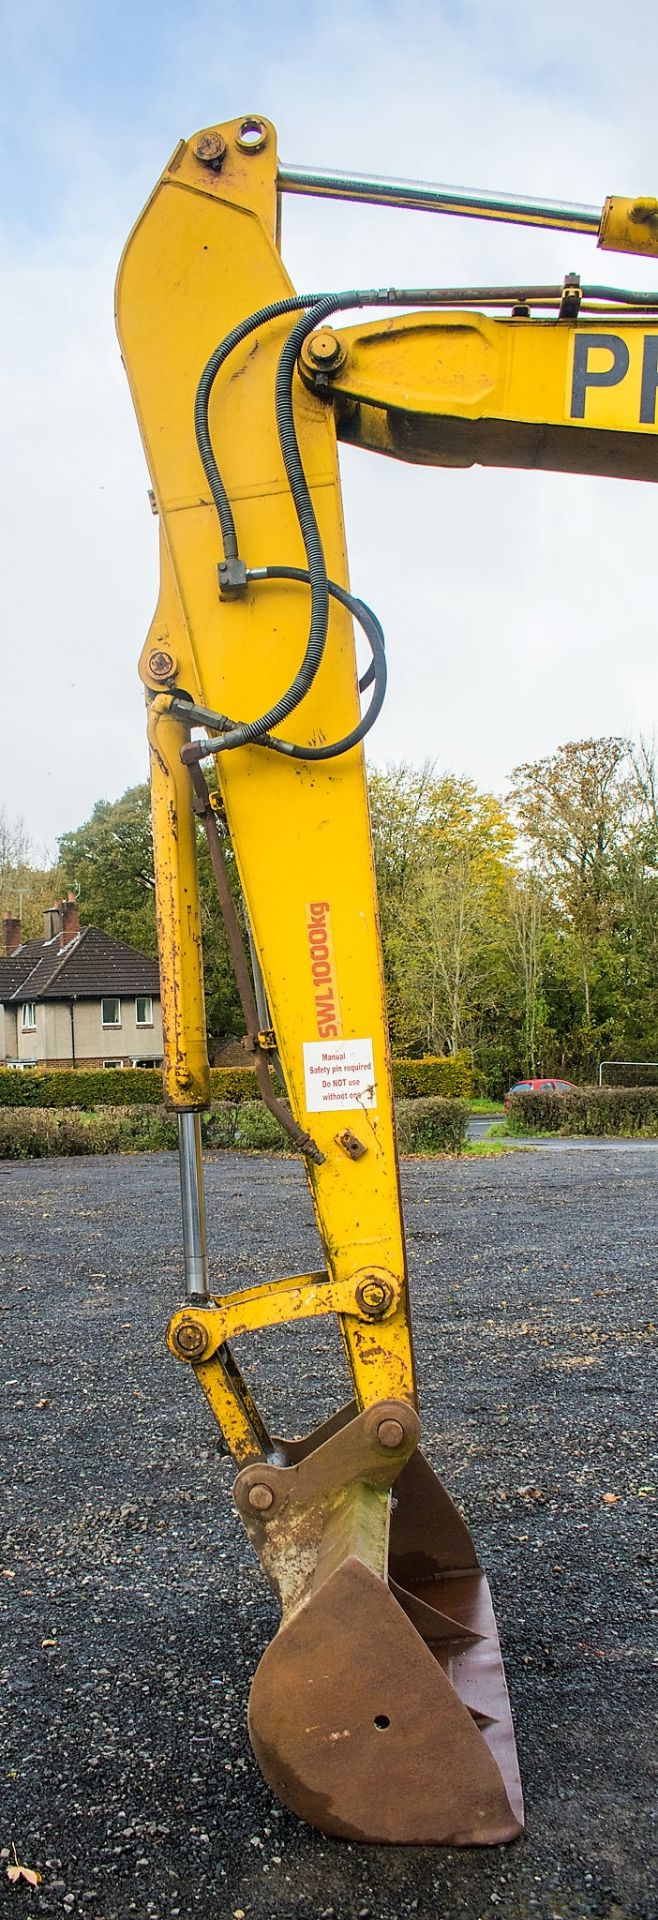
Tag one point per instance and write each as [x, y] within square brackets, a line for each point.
[259, 983]
[424, 197]
[194, 1223]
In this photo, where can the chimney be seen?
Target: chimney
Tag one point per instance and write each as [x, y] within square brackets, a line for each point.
[69, 919]
[11, 935]
[52, 922]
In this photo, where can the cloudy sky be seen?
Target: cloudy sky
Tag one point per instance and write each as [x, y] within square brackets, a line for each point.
[520, 610]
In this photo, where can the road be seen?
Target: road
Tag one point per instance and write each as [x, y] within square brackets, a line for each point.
[134, 1615]
[480, 1128]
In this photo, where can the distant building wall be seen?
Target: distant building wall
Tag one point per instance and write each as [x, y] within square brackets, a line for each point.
[50, 1042]
[8, 1038]
[127, 1042]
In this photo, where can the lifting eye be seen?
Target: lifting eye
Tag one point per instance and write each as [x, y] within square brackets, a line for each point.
[251, 135]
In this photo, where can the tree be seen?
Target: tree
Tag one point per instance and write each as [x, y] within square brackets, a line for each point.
[109, 863]
[26, 888]
[440, 850]
[525, 916]
[578, 812]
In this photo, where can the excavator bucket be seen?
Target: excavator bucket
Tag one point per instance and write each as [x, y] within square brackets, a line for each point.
[379, 1712]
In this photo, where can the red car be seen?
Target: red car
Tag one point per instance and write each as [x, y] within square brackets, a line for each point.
[540, 1086]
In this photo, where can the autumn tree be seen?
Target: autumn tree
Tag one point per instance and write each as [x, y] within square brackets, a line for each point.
[28, 884]
[109, 863]
[440, 850]
[525, 925]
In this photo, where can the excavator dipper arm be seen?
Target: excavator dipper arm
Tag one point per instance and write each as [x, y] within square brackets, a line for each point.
[380, 1710]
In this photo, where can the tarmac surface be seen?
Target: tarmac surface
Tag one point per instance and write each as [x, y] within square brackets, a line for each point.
[483, 1127]
[134, 1615]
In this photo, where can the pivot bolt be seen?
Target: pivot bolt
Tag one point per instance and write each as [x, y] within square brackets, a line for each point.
[390, 1433]
[373, 1297]
[210, 148]
[161, 665]
[261, 1497]
[191, 1339]
[324, 349]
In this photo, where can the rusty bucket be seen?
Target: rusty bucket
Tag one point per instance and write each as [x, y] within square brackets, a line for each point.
[380, 1711]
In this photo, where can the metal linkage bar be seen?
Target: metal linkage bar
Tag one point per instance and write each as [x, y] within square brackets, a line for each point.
[424, 197]
[194, 1225]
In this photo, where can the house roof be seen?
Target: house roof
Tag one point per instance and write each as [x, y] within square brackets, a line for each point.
[93, 964]
[14, 969]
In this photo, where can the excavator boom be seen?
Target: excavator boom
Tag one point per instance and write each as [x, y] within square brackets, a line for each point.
[380, 1710]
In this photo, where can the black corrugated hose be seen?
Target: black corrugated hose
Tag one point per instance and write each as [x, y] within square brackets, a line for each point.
[316, 308]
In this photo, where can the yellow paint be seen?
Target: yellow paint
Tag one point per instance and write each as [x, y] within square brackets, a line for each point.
[458, 388]
[186, 1069]
[629, 226]
[302, 1298]
[451, 388]
[202, 256]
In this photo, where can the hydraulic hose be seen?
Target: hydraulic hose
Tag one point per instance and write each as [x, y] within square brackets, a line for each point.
[314, 309]
[319, 308]
[202, 401]
[376, 672]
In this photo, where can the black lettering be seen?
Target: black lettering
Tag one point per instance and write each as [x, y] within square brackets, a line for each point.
[649, 380]
[584, 376]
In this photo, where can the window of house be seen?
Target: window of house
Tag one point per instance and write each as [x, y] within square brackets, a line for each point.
[113, 1063]
[144, 1010]
[111, 1011]
[28, 1016]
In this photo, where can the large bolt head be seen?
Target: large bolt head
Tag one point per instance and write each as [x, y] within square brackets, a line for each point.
[191, 1339]
[373, 1297]
[211, 149]
[324, 349]
[390, 1433]
[161, 665]
[260, 1497]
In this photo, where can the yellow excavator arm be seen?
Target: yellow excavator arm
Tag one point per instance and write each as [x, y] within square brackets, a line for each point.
[380, 1709]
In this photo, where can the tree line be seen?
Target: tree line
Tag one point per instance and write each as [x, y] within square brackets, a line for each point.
[524, 928]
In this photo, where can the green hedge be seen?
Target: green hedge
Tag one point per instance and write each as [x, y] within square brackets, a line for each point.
[36, 1133]
[84, 1087]
[431, 1125]
[449, 1075]
[596, 1110]
[424, 1126]
[234, 1083]
[90, 1087]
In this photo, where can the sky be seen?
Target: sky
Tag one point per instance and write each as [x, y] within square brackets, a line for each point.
[519, 608]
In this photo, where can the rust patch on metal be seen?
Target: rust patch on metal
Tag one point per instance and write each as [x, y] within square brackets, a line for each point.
[380, 1710]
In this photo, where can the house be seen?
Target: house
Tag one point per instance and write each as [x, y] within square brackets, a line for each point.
[77, 998]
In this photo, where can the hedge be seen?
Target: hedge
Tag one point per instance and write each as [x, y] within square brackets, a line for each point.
[450, 1075]
[83, 1087]
[424, 1126]
[431, 1125]
[37, 1132]
[595, 1110]
[89, 1087]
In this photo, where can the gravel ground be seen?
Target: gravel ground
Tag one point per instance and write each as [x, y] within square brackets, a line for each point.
[134, 1616]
